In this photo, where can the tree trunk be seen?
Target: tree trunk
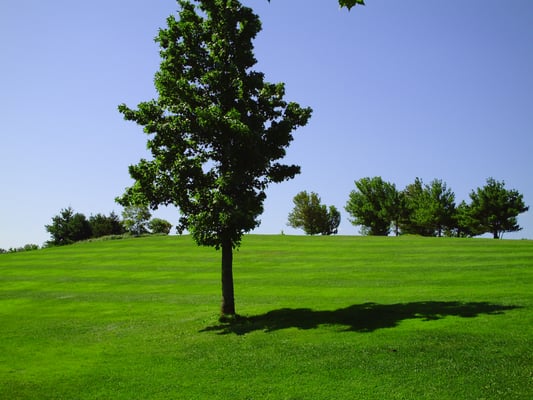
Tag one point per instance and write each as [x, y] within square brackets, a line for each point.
[495, 235]
[227, 307]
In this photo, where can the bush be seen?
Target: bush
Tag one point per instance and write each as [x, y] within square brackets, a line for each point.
[102, 225]
[158, 225]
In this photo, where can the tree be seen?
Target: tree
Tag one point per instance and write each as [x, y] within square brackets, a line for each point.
[465, 226]
[68, 227]
[217, 129]
[440, 201]
[135, 218]
[102, 225]
[158, 225]
[494, 209]
[375, 205]
[312, 216]
[333, 220]
[430, 209]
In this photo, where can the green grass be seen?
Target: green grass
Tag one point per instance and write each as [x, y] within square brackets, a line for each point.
[321, 318]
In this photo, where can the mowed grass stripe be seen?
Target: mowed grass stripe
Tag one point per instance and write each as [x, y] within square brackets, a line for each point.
[323, 317]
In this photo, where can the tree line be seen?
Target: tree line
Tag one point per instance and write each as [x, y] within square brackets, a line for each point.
[69, 227]
[421, 209]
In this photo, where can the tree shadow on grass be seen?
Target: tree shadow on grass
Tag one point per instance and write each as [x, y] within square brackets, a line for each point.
[366, 317]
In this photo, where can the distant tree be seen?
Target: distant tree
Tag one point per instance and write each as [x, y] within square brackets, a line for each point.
[312, 216]
[3, 251]
[333, 220]
[102, 225]
[494, 209]
[68, 227]
[26, 247]
[30, 247]
[441, 203]
[135, 219]
[464, 225]
[415, 216]
[375, 205]
[218, 129]
[430, 209]
[158, 225]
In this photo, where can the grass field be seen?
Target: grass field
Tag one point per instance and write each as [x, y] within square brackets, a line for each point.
[322, 318]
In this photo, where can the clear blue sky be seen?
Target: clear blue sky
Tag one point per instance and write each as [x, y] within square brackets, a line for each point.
[400, 89]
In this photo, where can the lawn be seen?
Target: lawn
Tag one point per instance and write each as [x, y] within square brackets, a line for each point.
[321, 318]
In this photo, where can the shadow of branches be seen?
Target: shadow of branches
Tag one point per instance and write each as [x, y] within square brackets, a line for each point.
[366, 317]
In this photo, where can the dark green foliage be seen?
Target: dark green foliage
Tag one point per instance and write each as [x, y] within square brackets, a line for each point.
[376, 205]
[333, 220]
[102, 225]
[350, 3]
[136, 218]
[68, 227]
[312, 216]
[494, 209]
[464, 225]
[217, 129]
[429, 209]
[159, 226]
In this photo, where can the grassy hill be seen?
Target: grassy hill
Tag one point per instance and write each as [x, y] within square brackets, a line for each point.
[322, 318]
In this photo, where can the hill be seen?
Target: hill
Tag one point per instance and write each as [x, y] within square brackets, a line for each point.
[322, 318]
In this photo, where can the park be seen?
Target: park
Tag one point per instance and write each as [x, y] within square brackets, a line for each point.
[360, 317]
[120, 309]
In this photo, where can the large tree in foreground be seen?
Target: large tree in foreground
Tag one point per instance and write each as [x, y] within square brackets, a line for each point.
[494, 208]
[217, 129]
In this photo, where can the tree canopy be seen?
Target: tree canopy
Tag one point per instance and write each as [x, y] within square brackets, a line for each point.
[136, 219]
[217, 129]
[494, 209]
[68, 227]
[375, 205]
[313, 216]
[429, 209]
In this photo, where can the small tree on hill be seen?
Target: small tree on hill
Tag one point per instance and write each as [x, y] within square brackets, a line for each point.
[429, 209]
[312, 216]
[494, 209]
[68, 227]
[135, 219]
[464, 224]
[375, 205]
